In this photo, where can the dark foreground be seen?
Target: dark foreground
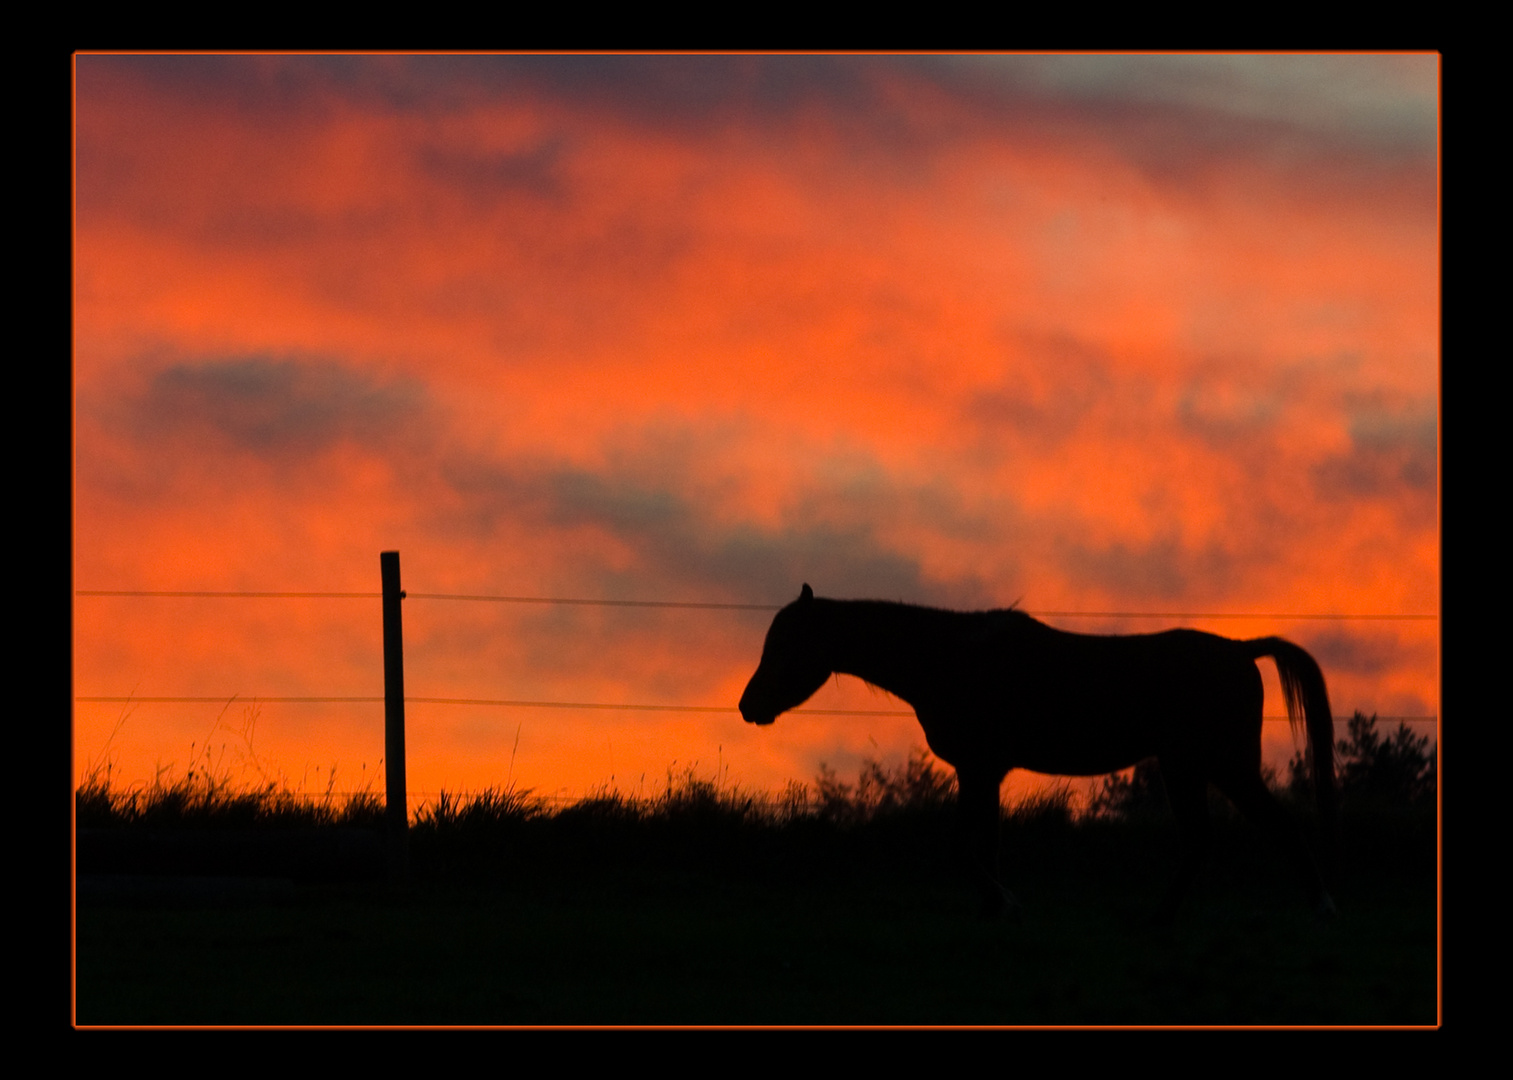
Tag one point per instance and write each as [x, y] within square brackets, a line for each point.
[592, 923]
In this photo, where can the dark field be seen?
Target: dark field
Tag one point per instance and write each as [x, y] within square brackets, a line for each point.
[701, 910]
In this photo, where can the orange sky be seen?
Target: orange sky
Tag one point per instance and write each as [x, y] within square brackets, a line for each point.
[1089, 333]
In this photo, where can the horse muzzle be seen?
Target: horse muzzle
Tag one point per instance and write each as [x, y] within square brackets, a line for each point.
[754, 714]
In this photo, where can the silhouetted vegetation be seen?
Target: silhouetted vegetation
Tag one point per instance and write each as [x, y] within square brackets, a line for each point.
[837, 901]
[245, 792]
[197, 802]
[1374, 773]
[889, 818]
[920, 785]
[1140, 794]
[198, 799]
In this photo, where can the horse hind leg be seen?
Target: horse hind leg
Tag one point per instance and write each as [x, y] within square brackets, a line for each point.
[977, 802]
[1187, 791]
[1253, 799]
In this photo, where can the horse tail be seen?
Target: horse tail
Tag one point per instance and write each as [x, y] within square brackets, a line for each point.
[1307, 700]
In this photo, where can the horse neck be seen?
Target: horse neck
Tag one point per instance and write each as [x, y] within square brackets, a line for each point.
[879, 642]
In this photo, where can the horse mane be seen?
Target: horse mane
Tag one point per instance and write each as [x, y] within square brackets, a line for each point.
[967, 624]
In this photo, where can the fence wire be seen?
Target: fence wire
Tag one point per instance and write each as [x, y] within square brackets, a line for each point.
[691, 604]
[699, 605]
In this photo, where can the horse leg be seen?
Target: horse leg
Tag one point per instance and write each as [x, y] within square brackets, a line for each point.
[1187, 791]
[977, 801]
[1250, 795]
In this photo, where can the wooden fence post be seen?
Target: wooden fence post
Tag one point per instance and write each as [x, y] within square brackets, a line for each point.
[396, 809]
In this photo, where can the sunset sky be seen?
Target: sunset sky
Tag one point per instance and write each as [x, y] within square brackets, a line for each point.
[1086, 333]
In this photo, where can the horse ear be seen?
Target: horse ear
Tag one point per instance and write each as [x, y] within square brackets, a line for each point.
[807, 594]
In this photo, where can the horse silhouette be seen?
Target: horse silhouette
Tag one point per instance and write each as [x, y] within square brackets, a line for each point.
[999, 690]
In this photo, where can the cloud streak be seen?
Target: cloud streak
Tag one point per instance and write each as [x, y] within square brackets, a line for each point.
[274, 407]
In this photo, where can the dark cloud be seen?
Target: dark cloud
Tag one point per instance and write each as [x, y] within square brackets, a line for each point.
[284, 414]
[534, 170]
[684, 90]
[1161, 569]
[271, 407]
[262, 88]
[1392, 96]
[1370, 653]
[1170, 115]
[1393, 455]
[662, 91]
[679, 544]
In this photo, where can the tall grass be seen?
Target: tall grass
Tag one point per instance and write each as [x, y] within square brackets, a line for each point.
[228, 784]
[195, 802]
[1373, 771]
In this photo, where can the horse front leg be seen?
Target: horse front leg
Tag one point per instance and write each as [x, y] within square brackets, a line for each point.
[977, 795]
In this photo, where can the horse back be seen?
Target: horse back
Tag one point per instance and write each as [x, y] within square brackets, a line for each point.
[1084, 704]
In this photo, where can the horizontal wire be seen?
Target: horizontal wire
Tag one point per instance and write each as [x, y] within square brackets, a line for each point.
[264, 595]
[227, 700]
[506, 703]
[598, 603]
[739, 607]
[469, 701]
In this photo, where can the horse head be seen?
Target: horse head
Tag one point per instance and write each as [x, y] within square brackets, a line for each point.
[791, 669]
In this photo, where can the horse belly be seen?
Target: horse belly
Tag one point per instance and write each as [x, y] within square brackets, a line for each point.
[1083, 745]
[1083, 726]
[1039, 737]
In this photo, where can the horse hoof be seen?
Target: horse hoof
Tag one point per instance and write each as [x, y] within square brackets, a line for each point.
[1325, 910]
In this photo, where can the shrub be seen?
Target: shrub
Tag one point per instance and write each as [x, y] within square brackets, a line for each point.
[919, 785]
[1140, 794]
[1371, 771]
